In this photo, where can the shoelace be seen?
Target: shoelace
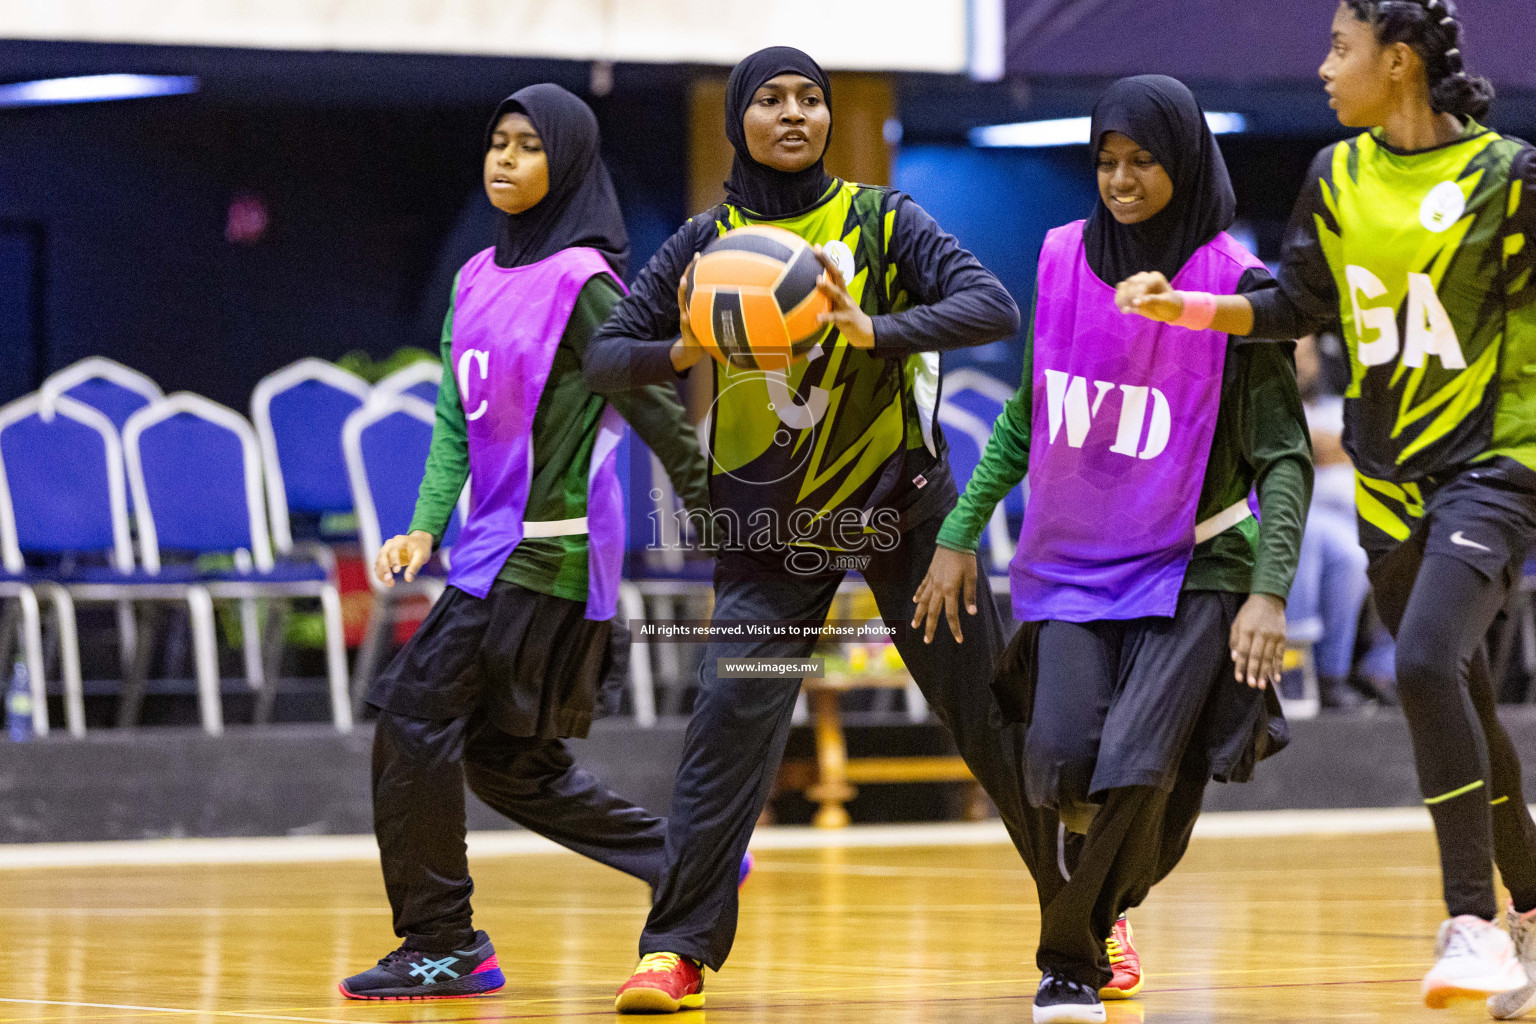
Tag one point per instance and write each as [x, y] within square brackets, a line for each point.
[398, 955]
[1460, 943]
[658, 963]
[1116, 952]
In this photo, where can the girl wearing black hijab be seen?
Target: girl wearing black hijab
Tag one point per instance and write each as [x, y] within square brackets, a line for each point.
[1139, 565]
[512, 656]
[835, 463]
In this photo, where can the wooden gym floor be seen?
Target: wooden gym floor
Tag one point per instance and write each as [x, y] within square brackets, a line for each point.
[1303, 929]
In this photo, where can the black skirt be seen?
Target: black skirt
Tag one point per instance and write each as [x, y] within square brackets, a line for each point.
[1228, 725]
[531, 663]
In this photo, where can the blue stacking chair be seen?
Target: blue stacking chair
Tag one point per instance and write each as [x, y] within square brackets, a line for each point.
[109, 387]
[298, 413]
[419, 380]
[62, 501]
[967, 435]
[194, 468]
[386, 444]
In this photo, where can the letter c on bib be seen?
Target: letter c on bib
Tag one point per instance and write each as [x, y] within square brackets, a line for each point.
[483, 359]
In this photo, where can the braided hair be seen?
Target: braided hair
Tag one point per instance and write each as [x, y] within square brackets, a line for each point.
[1432, 28]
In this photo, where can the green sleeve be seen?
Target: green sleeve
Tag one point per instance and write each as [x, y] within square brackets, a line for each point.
[448, 458]
[1277, 445]
[1004, 463]
[655, 411]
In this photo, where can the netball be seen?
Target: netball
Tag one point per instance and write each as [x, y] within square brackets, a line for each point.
[752, 298]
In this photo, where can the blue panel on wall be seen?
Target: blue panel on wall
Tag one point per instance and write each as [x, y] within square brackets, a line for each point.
[19, 303]
[999, 203]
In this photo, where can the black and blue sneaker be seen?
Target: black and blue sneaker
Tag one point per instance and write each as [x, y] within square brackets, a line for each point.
[413, 974]
[1063, 1001]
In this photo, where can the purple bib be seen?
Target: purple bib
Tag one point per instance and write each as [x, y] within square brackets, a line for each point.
[1124, 413]
[506, 327]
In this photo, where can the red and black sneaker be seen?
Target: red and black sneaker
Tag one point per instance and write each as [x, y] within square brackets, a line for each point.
[1124, 961]
[410, 974]
[662, 983]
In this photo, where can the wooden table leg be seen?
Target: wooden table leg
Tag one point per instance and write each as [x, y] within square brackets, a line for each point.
[831, 789]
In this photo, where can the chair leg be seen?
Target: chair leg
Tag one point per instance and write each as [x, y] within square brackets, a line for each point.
[381, 618]
[32, 656]
[272, 644]
[205, 655]
[69, 661]
[137, 680]
[250, 642]
[336, 659]
[127, 636]
[641, 683]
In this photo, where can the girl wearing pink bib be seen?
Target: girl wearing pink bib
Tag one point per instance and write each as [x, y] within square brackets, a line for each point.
[1141, 575]
[511, 659]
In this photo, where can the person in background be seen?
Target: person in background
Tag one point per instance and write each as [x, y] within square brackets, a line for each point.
[1331, 585]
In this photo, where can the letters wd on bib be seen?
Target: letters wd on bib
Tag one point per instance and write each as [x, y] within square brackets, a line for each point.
[1124, 412]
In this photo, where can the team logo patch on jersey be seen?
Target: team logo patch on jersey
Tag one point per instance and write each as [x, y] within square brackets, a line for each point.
[841, 256]
[1443, 207]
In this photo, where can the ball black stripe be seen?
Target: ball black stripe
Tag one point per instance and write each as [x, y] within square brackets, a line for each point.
[798, 281]
[747, 241]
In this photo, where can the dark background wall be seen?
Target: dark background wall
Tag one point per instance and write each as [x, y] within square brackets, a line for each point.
[368, 168]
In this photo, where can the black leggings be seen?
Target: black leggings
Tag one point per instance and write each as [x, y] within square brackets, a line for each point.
[1468, 770]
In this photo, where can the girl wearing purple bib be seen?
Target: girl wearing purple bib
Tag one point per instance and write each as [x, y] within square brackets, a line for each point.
[512, 657]
[1140, 565]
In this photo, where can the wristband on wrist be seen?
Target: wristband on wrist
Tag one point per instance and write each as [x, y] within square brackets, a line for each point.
[1199, 311]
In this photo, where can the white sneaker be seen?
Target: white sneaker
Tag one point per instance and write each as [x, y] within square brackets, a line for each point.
[1520, 1001]
[1473, 960]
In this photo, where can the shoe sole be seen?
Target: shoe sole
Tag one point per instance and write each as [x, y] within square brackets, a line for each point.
[342, 988]
[1122, 993]
[1440, 997]
[654, 1000]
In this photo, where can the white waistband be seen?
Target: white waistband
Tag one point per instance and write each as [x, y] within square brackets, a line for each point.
[1222, 521]
[555, 527]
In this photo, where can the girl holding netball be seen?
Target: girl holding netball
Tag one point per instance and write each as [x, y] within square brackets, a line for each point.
[1420, 236]
[1141, 573]
[511, 658]
[842, 451]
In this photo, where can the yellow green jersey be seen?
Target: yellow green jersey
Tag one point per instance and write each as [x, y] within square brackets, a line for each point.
[1423, 260]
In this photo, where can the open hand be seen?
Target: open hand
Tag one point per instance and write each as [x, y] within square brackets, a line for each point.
[1258, 640]
[951, 577]
[851, 322]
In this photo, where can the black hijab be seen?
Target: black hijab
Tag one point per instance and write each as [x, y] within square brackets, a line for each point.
[758, 187]
[1164, 118]
[581, 208]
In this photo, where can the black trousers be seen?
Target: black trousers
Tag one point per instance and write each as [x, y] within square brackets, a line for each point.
[736, 738]
[1118, 757]
[1439, 609]
[420, 767]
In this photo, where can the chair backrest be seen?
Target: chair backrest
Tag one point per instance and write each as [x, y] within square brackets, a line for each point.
[386, 444]
[983, 396]
[967, 436]
[61, 482]
[194, 469]
[109, 387]
[298, 412]
[651, 505]
[420, 379]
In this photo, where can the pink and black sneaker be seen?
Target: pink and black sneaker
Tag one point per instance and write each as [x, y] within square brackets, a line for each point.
[414, 974]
